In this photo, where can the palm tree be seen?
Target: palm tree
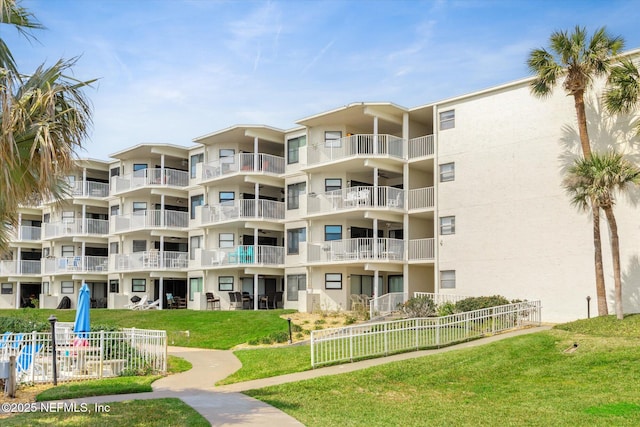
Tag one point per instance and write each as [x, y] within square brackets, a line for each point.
[623, 95]
[578, 61]
[594, 181]
[44, 119]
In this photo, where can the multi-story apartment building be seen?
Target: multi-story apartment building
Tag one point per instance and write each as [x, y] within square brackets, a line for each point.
[462, 196]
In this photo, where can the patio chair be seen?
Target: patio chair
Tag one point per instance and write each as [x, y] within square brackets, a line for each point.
[356, 302]
[366, 300]
[180, 302]
[277, 299]
[247, 300]
[152, 305]
[235, 300]
[212, 301]
[25, 359]
[140, 304]
[4, 343]
[171, 302]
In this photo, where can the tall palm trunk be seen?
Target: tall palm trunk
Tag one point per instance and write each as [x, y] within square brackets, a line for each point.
[615, 255]
[601, 291]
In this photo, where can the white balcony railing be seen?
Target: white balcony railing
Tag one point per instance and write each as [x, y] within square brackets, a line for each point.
[359, 249]
[356, 145]
[422, 249]
[355, 197]
[89, 189]
[149, 260]
[243, 163]
[149, 219]
[24, 267]
[240, 209]
[421, 147]
[86, 226]
[421, 198]
[75, 264]
[242, 256]
[156, 177]
[25, 233]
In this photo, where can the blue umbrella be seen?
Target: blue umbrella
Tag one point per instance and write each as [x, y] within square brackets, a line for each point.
[82, 324]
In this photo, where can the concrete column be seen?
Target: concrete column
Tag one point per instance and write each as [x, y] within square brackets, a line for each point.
[162, 211]
[256, 167]
[18, 294]
[256, 191]
[19, 226]
[18, 262]
[255, 291]
[161, 291]
[84, 182]
[375, 134]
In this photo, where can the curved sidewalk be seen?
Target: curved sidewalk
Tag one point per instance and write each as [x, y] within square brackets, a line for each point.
[226, 406]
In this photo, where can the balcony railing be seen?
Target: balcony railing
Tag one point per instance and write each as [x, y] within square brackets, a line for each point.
[355, 197]
[89, 189]
[149, 219]
[76, 264]
[245, 209]
[149, 260]
[421, 198]
[422, 249]
[156, 177]
[243, 255]
[25, 233]
[421, 147]
[356, 145]
[24, 267]
[245, 163]
[362, 249]
[86, 226]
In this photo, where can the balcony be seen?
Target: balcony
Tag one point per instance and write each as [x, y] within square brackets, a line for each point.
[78, 227]
[244, 256]
[89, 189]
[150, 219]
[20, 268]
[421, 198]
[25, 233]
[247, 209]
[244, 163]
[362, 249]
[151, 178]
[355, 198]
[76, 264]
[421, 147]
[153, 260]
[355, 146]
[422, 249]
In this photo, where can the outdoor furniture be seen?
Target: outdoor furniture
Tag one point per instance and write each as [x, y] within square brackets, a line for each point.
[247, 300]
[263, 302]
[235, 300]
[277, 299]
[171, 302]
[356, 302]
[366, 300]
[212, 301]
[180, 262]
[180, 302]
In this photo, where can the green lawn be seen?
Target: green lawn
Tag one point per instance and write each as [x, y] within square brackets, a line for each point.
[207, 329]
[269, 362]
[526, 380]
[156, 412]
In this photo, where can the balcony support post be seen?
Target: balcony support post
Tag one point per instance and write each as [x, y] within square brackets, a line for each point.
[375, 134]
[84, 182]
[161, 292]
[19, 226]
[256, 299]
[162, 211]
[18, 294]
[256, 191]
[375, 187]
[255, 154]
[18, 260]
[163, 179]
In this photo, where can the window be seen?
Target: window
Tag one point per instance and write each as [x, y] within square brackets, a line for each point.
[194, 243]
[139, 206]
[331, 184]
[447, 119]
[46, 252]
[293, 194]
[66, 287]
[396, 284]
[294, 237]
[448, 279]
[115, 171]
[195, 159]
[139, 246]
[362, 284]
[195, 285]
[225, 283]
[114, 248]
[293, 148]
[195, 202]
[447, 225]
[67, 251]
[332, 139]
[115, 210]
[6, 289]
[332, 232]
[139, 166]
[46, 289]
[46, 217]
[295, 283]
[138, 285]
[226, 155]
[227, 197]
[114, 286]
[68, 216]
[333, 281]
[447, 172]
[225, 240]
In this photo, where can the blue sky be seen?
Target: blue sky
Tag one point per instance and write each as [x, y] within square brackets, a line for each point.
[173, 70]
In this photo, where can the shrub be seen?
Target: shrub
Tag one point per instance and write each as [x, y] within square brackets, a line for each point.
[478, 303]
[446, 309]
[13, 324]
[349, 320]
[422, 306]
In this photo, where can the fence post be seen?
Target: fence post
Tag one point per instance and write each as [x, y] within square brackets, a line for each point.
[313, 365]
[417, 335]
[33, 356]
[493, 320]
[386, 341]
[101, 365]
[351, 344]
[164, 358]
[437, 332]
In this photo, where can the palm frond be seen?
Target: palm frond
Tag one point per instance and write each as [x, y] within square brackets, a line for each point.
[623, 93]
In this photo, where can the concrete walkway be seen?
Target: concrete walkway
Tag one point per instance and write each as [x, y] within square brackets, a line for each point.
[226, 406]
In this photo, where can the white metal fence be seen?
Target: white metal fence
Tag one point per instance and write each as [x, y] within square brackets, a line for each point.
[100, 354]
[381, 339]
